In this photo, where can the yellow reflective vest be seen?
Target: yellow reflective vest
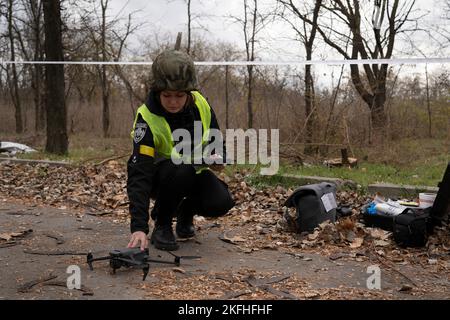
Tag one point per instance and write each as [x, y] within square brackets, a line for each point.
[162, 134]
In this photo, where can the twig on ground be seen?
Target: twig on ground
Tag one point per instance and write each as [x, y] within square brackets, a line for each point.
[30, 284]
[111, 159]
[86, 291]
[55, 253]
[59, 239]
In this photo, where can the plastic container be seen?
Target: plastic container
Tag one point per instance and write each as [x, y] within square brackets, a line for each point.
[426, 200]
[371, 208]
[389, 209]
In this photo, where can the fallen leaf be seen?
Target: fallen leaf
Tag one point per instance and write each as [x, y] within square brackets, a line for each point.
[405, 288]
[313, 236]
[381, 243]
[377, 233]
[246, 250]
[8, 236]
[232, 240]
[357, 242]
[180, 270]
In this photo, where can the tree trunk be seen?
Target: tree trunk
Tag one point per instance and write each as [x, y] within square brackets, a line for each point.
[378, 114]
[227, 110]
[37, 71]
[104, 80]
[324, 150]
[377, 110]
[13, 84]
[375, 101]
[430, 135]
[250, 97]
[189, 26]
[105, 99]
[57, 140]
[251, 57]
[309, 110]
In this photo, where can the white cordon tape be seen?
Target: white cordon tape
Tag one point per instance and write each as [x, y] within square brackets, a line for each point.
[251, 63]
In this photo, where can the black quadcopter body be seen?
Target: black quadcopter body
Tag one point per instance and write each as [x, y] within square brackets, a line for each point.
[134, 258]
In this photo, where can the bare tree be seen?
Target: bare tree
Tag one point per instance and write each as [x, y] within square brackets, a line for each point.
[228, 54]
[250, 50]
[57, 140]
[252, 23]
[307, 37]
[35, 7]
[189, 25]
[11, 71]
[31, 42]
[348, 15]
[107, 43]
[103, 79]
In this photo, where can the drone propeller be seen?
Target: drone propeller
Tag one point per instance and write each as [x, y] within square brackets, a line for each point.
[178, 258]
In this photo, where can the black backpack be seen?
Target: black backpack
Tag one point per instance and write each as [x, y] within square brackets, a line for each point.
[411, 228]
[315, 203]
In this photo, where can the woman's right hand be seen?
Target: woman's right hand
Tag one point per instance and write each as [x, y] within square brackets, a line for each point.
[138, 238]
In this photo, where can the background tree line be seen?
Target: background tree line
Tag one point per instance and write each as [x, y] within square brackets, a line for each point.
[364, 104]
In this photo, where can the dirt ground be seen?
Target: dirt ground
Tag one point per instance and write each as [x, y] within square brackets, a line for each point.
[224, 271]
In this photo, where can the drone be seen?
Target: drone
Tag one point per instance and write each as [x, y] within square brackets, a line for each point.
[134, 258]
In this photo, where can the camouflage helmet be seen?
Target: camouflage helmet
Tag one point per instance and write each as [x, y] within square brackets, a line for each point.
[174, 70]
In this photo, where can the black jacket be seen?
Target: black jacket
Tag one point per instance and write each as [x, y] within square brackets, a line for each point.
[141, 168]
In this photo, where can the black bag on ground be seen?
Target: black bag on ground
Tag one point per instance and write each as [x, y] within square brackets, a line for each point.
[315, 203]
[411, 228]
[385, 222]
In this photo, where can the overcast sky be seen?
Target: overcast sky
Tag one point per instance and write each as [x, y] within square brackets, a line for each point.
[170, 17]
[167, 17]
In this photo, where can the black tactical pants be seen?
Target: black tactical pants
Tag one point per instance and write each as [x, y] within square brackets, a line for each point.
[177, 190]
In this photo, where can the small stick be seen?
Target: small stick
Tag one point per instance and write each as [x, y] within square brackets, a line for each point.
[30, 284]
[55, 253]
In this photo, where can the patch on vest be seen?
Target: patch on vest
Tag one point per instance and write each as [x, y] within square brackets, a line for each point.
[139, 131]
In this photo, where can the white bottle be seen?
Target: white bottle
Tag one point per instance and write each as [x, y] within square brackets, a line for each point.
[388, 209]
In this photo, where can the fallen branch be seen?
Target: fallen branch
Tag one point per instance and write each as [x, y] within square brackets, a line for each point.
[277, 279]
[59, 239]
[84, 228]
[394, 269]
[8, 244]
[55, 253]
[234, 240]
[10, 235]
[224, 278]
[86, 291]
[232, 295]
[28, 285]
[283, 294]
[264, 285]
[99, 214]
[83, 204]
[14, 213]
[111, 159]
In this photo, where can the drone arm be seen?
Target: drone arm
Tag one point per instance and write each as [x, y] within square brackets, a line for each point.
[90, 260]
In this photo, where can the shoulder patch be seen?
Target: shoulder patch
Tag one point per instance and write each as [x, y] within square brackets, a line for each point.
[139, 132]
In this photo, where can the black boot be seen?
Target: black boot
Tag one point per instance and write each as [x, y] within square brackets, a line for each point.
[185, 226]
[163, 238]
[185, 219]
